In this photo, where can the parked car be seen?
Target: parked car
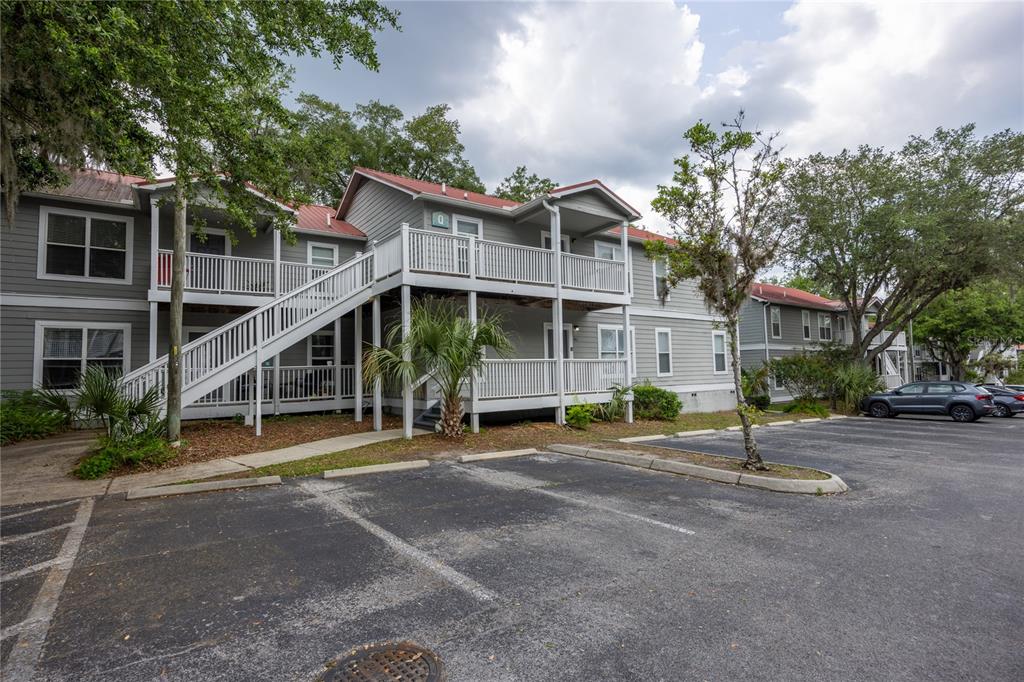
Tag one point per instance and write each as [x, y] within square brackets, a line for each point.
[1008, 402]
[961, 401]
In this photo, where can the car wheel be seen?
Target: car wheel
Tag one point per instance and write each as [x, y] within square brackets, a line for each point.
[1002, 411]
[878, 410]
[962, 413]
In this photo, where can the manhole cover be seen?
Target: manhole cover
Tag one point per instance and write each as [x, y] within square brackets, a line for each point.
[387, 662]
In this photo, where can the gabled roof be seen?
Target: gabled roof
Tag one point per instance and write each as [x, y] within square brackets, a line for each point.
[441, 192]
[773, 293]
[317, 218]
[640, 234]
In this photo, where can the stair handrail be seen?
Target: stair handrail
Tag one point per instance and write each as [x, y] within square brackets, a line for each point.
[132, 381]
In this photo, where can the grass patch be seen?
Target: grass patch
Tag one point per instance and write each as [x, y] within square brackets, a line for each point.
[335, 460]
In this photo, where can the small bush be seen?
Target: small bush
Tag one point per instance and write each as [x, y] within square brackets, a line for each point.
[1016, 376]
[805, 376]
[761, 402]
[95, 466]
[141, 448]
[807, 407]
[23, 417]
[651, 402]
[580, 416]
[851, 383]
[615, 409]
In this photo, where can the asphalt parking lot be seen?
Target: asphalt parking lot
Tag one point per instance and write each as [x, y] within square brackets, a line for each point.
[551, 567]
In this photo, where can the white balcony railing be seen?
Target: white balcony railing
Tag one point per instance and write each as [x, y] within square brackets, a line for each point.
[419, 251]
[306, 383]
[530, 378]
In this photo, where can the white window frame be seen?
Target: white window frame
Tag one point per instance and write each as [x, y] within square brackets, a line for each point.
[469, 219]
[632, 343]
[775, 312]
[775, 382]
[616, 249]
[566, 240]
[41, 325]
[657, 353]
[324, 245]
[654, 273]
[725, 352]
[805, 324]
[309, 348]
[44, 214]
[547, 346]
[827, 320]
[210, 230]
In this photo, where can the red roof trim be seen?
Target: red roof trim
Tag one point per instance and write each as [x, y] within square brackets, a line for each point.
[774, 293]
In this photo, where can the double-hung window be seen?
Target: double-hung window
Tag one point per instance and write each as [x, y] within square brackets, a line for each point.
[805, 319]
[661, 289]
[663, 349]
[322, 255]
[718, 352]
[776, 319]
[79, 245]
[824, 326]
[64, 350]
[612, 343]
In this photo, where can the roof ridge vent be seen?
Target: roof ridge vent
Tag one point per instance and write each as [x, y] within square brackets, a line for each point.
[444, 188]
[465, 195]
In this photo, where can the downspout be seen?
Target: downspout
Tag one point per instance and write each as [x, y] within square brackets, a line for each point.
[765, 305]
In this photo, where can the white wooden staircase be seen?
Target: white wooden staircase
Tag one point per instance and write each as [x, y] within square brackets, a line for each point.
[241, 345]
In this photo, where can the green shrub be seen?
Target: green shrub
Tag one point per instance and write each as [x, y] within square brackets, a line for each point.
[615, 409]
[95, 466]
[805, 406]
[23, 417]
[805, 376]
[140, 448]
[580, 416]
[761, 402]
[851, 383]
[651, 402]
[1016, 376]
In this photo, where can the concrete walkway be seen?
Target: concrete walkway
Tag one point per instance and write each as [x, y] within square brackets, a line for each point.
[38, 471]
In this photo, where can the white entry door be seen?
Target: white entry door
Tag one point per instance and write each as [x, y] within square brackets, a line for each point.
[549, 346]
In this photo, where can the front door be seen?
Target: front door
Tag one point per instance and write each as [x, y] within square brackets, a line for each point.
[549, 346]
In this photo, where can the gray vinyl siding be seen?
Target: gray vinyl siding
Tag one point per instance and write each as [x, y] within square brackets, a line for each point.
[379, 210]
[752, 325]
[20, 247]
[752, 321]
[299, 252]
[18, 347]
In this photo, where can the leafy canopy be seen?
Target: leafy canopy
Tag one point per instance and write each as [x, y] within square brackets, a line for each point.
[523, 186]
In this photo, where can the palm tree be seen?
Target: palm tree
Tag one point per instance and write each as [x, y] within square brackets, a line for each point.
[443, 345]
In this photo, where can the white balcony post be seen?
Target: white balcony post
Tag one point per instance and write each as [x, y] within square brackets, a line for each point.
[471, 247]
[277, 263]
[626, 337]
[152, 330]
[378, 418]
[405, 247]
[337, 363]
[357, 361]
[258, 390]
[154, 242]
[474, 415]
[556, 314]
[406, 356]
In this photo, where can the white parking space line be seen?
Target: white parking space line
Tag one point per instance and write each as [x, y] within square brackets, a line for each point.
[514, 481]
[400, 546]
[25, 536]
[24, 657]
[15, 515]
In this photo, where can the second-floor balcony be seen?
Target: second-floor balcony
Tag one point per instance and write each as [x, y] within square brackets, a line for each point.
[410, 256]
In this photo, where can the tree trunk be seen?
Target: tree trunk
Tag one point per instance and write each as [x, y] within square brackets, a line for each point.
[451, 416]
[754, 460]
[174, 373]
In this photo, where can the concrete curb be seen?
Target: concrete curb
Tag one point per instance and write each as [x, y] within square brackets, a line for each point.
[643, 439]
[209, 486]
[700, 432]
[376, 469]
[781, 423]
[499, 454]
[833, 484]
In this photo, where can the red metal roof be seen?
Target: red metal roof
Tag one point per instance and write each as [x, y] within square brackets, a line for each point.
[773, 293]
[98, 185]
[321, 219]
[645, 235]
[424, 187]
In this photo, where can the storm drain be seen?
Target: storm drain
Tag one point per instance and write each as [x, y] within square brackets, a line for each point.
[387, 662]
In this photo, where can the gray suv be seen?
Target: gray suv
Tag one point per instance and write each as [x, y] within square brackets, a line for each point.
[961, 401]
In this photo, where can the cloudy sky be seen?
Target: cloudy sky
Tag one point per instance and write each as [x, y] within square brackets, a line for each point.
[576, 90]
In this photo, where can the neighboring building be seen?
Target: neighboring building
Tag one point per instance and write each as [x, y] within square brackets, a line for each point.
[779, 321]
[86, 275]
[929, 368]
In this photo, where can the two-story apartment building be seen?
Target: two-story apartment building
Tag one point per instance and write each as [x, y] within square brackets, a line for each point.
[778, 321]
[274, 327]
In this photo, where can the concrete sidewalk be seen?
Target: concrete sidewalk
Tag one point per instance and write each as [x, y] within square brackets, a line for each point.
[38, 471]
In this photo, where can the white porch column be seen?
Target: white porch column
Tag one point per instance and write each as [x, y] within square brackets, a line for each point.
[277, 263]
[378, 413]
[556, 314]
[154, 241]
[626, 337]
[474, 416]
[153, 320]
[357, 361]
[406, 355]
[337, 364]
[258, 389]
